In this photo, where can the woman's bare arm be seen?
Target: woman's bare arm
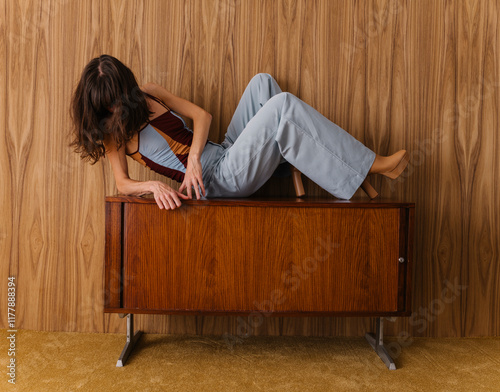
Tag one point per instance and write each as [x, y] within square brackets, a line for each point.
[165, 196]
[201, 125]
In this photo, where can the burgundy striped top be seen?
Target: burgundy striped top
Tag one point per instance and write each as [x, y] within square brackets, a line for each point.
[164, 144]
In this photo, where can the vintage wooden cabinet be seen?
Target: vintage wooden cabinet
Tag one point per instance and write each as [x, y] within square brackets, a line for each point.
[282, 257]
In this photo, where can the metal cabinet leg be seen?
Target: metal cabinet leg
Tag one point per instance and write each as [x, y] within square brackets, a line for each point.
[131, 340]
[377, 342]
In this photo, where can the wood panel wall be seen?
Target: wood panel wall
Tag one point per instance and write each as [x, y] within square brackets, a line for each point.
[421, 75]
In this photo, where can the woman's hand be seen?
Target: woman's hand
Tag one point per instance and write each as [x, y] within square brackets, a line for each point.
[165, 196]
[193, 177]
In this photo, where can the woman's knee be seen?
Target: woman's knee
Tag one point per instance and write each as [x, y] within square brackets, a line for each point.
[281, 99]
[262, 77]
[264, 80]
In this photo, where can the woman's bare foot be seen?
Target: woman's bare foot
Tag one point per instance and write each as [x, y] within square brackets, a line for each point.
[391, 166]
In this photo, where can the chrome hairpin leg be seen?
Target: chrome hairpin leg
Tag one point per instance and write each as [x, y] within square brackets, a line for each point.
[377, 342]
[131, 340]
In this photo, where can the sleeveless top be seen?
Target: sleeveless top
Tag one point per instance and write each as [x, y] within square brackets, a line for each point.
[164, 144]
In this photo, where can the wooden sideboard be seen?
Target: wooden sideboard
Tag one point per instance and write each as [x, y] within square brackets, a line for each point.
[281, 257]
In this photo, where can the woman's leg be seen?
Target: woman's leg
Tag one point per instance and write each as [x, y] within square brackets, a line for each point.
[258, 91]
[287, 127]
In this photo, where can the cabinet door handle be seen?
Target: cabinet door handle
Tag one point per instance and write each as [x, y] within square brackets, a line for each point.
[401, 259]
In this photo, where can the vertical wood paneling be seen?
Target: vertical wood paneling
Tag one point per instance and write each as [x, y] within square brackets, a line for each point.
[422, 75]
[290, 25]
[31, 223]
[478, 107]
[7, 229]
[433, 164]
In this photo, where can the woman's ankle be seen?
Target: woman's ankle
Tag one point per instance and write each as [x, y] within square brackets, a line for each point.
[383, 164]
[378, 165]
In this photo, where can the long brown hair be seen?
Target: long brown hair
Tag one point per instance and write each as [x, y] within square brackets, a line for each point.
[106, 102]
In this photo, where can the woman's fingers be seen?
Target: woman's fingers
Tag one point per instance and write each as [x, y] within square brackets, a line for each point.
[186, 185]
[168, 198]
[202, 187]
[193, 183]
[183, 195]
[197, 183]
[166, 202]
[170, 202]
[196, 190]
[159, 201]
[193, 179]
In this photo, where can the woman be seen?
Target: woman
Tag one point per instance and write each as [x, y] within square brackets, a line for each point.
[113, 117]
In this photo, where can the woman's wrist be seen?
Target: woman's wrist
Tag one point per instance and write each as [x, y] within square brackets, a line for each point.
[194, 156]
[151, 186]
[138, 188]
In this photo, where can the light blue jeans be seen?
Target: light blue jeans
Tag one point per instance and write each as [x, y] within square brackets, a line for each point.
[270, 127]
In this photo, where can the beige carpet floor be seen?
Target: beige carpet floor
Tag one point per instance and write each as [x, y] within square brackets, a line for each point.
[59, 361]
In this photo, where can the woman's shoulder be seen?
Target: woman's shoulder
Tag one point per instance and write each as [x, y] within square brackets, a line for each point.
[148, 87]
[151, 90]
[109, 142]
